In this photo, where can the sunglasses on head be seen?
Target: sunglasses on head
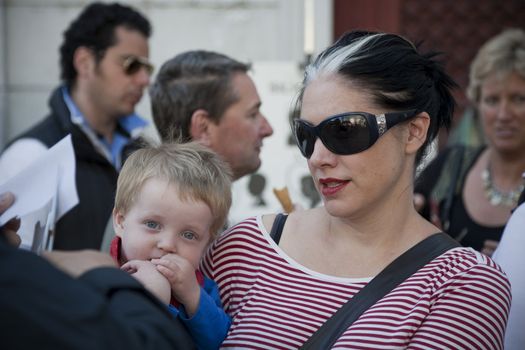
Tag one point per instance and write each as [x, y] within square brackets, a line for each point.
[132, 64]
[346, 133]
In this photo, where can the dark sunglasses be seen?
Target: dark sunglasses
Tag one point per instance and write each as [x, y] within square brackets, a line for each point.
[132, 64]
[346, 133]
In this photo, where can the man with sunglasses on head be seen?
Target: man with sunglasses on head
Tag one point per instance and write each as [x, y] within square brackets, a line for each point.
[104, 69]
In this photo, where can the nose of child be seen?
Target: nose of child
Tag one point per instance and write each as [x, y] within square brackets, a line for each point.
[168, 244]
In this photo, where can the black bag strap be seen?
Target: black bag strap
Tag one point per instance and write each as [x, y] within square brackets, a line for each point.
[277, 227]
[395, 273]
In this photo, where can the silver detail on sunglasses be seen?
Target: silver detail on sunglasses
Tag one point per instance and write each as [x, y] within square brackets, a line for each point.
[381, 124]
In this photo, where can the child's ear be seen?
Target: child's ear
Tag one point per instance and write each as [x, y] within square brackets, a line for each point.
[118, 220]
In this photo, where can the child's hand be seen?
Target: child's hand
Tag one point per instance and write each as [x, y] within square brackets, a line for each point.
[146, 273]
[181, 275]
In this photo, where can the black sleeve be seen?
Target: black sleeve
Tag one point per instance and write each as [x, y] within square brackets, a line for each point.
[43, 308]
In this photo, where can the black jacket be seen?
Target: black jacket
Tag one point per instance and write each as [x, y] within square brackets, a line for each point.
[43, 308]
[96, 179]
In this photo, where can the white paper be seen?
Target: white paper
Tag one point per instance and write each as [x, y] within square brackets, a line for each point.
[44, 192]
[36, 227]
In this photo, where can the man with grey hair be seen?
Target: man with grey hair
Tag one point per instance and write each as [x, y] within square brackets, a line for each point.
[209, 97]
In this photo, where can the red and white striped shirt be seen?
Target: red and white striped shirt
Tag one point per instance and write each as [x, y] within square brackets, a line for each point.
[459, 300]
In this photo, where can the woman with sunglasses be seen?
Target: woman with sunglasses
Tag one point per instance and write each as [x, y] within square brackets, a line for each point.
[369, 106]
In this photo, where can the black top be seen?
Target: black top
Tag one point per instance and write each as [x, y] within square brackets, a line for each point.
[442, 178]
[468, 232]
[84, 225]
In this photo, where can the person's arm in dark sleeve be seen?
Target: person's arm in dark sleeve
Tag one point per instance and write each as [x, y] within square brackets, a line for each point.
[42, 307]
[143, 314]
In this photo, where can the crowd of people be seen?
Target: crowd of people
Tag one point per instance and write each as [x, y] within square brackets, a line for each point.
[179, 276]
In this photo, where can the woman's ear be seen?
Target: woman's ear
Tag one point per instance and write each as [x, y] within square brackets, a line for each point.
[199, 127]
[417, 132]
[118, 222]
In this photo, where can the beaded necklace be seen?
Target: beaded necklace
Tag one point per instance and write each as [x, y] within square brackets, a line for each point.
[497, 197]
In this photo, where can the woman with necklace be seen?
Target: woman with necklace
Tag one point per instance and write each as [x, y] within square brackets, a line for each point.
[472, 191]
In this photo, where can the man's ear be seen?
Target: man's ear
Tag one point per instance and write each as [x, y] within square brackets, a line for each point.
[417, 132]
[118, 222]
[83, 61]
[200, 127]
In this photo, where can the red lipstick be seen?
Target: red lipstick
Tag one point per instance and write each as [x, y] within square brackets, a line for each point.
[330, 186]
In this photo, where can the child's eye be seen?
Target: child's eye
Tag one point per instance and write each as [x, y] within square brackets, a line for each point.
[153, 225]
[189, 235]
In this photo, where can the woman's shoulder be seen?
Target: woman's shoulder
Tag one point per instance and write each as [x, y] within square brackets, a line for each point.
[466, 258]
[259, 227]
[251, 224]
[464, 263]
[467, 279]
[459, 275]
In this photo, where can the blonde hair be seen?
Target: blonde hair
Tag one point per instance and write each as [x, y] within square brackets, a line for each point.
[504, 53]
[199, 174]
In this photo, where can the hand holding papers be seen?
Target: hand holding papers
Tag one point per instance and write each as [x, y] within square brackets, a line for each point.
[44, 191]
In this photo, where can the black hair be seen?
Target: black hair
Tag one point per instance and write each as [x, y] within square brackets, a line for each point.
[392, 70]
[94, 28]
